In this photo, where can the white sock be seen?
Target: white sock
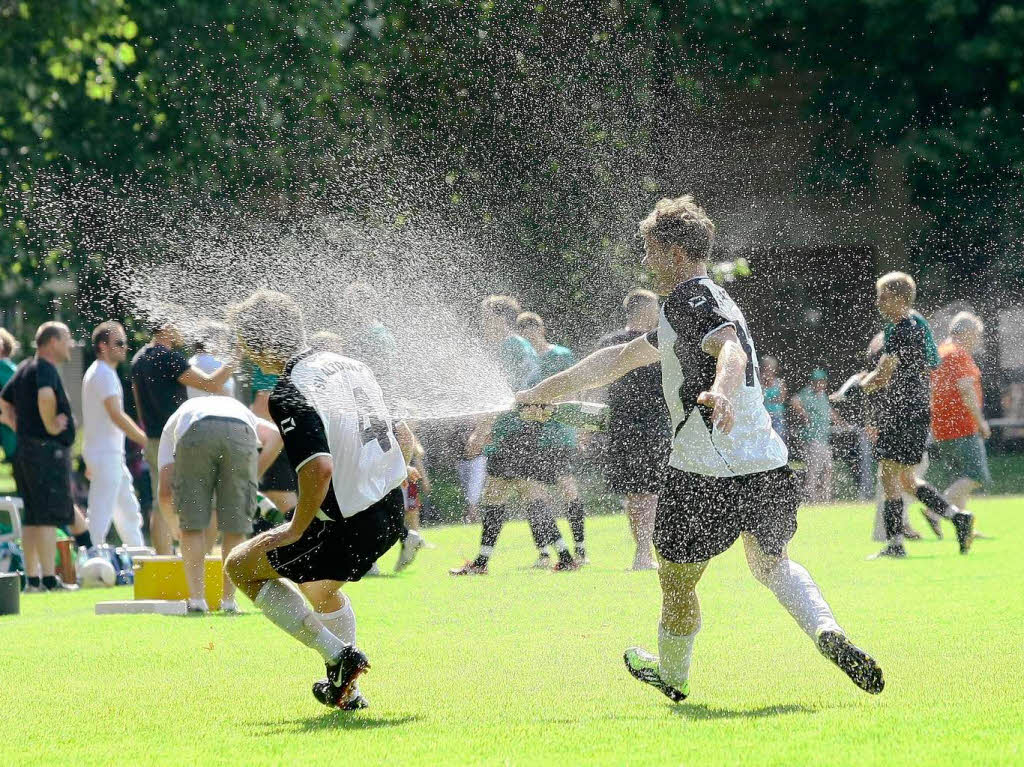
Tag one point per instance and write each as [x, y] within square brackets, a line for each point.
[341, 623]
[674, 655]
[486, 551]
[560, 545]
[800, 595]
[284, 607]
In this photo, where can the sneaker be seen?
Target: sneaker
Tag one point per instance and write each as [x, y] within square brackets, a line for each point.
[543, 562]
[933, 522]
[911, 534]
[198, 607]
[469, 568]
[343, 673]
[60, 586]
[963, 521]
[644, 666]
[34, 589]
[410, 547]
[853, 661]
[566, 566]
[230, 607]
[892, 551]
[322, 692]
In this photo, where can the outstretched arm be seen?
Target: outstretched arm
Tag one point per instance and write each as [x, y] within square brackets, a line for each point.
[879, 377]
[725, 346]
[599, 369]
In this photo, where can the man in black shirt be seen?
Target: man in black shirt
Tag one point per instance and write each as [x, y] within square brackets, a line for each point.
[902, 380]
[160, 374]
[35, 405]
[638, 440]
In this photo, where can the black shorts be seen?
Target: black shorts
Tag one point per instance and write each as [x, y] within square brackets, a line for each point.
[699, 517]
[342, 550]
[280, 476]
[42, 473]
[903, 442]
[521, 456]
[633, 463]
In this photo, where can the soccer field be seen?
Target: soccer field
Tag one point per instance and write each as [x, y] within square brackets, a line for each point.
[525, 667]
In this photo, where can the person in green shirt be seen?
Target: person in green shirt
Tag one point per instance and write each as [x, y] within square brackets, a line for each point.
[557, 442]
[516, 466]
[814, 412]
[8, 348]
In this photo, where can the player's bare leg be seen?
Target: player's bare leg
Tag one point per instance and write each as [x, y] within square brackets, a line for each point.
[283, 605]
[640, 510]
[793, 586]
[897, 479]
[669, 671]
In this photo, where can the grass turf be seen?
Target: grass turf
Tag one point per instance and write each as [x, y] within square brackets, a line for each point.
[524, 667]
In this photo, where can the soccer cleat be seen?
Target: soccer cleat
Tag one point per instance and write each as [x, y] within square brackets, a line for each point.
[322, 692]
[852, 661]
[343, 673]
[963, 521]
[410, 547]
[933, 522]
[910, 533]
[470, 568]
[892, 551]
[543, 562]
[644, 666]
[566, 566]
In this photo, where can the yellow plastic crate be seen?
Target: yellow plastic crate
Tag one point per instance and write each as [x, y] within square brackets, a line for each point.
[163, 577]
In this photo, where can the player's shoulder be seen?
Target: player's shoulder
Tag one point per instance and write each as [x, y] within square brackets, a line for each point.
[699, 295]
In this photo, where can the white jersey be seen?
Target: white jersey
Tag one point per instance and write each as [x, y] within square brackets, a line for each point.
[196, 409]
[696, 309]
[209, 365]
[327, 404]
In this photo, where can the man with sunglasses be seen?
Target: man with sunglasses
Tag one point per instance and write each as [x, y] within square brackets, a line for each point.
[105, 425]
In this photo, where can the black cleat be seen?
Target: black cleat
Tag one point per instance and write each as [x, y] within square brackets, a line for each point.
[853, 661]
[933, 522]
[343, 673]
[644, 666]
[892, 551]
[963, 521]
[322, 691]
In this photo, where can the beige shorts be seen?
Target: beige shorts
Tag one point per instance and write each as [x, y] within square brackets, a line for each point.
[216, 459]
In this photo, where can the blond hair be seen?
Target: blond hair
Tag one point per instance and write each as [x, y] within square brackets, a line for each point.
[680, 222]
[965, 322]
[505, 307]
[269, 322]
[636, 298]
[9, 345]
[898, 284]
[528, 320]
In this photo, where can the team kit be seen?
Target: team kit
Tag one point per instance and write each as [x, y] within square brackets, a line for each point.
[727, 476]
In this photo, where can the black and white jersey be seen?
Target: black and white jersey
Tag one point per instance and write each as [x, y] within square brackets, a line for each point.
[695, 310]
[326, 404]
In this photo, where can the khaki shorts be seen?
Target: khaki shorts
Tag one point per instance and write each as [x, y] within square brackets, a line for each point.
[152, 453]
[216, 458]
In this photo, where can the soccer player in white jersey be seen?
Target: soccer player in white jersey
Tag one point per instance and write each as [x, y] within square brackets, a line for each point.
[728, 475]
[350, 464]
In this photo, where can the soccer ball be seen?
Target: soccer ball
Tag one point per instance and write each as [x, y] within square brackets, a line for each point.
[97, 571]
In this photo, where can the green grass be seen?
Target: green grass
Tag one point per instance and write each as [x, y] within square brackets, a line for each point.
[524, 667]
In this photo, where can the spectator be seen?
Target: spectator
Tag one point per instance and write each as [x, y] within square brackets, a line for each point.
[812, 408]
[159, 377]
[958, 424]
[209, 449]
[639, 436]
[774, 395]
[213, 341]
[8, 348]
[105, 425]
[35, 405]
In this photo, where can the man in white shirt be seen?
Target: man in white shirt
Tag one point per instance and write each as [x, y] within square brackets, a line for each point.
[728, 475]
[105, 425]
[350, 463]
[212, 339]
[209, 449]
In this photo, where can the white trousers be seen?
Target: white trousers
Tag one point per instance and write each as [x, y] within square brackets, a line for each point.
[112, 499]
[472, 475]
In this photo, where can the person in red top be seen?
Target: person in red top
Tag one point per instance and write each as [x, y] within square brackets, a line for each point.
[958, 425]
